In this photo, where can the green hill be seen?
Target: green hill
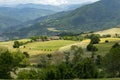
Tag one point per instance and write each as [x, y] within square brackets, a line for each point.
[6, 22]
[100, 15]
[24, 14]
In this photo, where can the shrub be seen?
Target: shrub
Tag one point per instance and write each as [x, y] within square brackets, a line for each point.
[91, 47]
[106, 41]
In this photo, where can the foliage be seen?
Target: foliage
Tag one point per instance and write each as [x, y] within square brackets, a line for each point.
[26, 54]
[91, 47]
[111, 61]
[43, 38]
[85, 69]
[105, 36]
[9, 62]
[115, 45]
[94, 39]
[74, 38]
[30, 74]
[16, 44]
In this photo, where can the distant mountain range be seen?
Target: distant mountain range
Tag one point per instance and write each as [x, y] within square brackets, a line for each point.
[100, 15]
[26, 13]
[6, 22]
[97, 16]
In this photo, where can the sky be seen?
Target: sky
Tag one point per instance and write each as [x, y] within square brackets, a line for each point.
[51, 2]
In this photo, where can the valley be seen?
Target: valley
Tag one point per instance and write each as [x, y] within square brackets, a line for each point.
[60, 39]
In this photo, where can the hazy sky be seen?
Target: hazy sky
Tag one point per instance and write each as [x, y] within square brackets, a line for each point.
[53, 2]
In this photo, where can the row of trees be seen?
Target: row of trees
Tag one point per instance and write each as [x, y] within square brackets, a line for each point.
[17, 44]
[43, 38]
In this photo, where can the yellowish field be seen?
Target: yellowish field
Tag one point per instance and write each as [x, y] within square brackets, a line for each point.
[102, 40]
[51, 46]
[111, 31]
[38, 47]
[103, 47]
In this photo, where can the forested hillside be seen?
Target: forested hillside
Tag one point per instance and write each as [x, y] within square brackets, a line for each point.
[100, 15]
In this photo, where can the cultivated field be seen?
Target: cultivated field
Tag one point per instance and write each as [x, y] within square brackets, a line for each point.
[35, 48]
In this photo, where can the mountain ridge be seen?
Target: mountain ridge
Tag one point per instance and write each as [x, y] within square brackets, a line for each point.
[97, 16]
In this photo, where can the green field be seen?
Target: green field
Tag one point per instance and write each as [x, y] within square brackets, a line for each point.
[35, 48]
[103, 48]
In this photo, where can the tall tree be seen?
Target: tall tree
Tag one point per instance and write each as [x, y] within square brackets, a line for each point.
[112, 61]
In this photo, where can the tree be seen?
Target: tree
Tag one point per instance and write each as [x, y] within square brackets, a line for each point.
[115, 45]
[16, 44]
[64, 71]
[91, 47]
[9, 62]
[85, 69]
[94, 39]
[26, 54]
[112, 61]
[77, 52]
[67, 57]
[49, 56]
[98, 60]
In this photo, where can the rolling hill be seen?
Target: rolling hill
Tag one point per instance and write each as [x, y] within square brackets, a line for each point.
[111, 31]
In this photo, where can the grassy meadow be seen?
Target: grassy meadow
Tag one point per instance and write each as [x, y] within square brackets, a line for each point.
[38, 47]
[35, 49]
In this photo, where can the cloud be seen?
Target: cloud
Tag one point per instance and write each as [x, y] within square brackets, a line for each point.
[53, 2]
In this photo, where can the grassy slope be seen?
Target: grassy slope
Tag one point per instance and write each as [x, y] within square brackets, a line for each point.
[103, 47]
[38, 47]
[111, 31]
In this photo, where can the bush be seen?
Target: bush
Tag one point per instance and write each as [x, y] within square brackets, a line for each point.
[106, 41]
[30, 74]
[95, 39]
[26, 54]
[91, 47]
[16, 44]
